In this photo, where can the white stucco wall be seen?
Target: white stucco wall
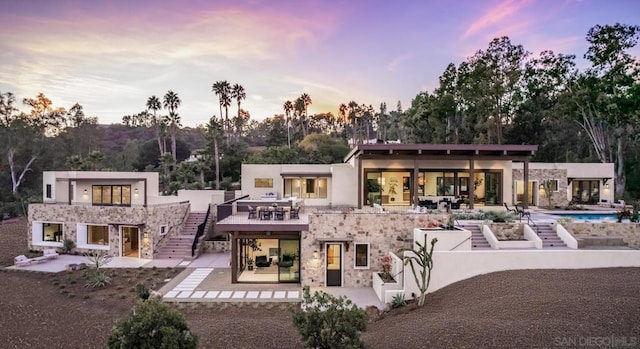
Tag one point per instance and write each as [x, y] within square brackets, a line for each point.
[454, 266]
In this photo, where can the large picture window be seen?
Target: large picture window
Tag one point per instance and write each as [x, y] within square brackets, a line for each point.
[93, 236]
[97, 235]
[310, 188]
[116, 195]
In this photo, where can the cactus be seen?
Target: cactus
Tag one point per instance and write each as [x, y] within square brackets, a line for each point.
[423, 257]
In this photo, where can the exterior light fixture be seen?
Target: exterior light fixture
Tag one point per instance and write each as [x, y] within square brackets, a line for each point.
[606, 186]
[541, 186]
[135, 191]
[316, 255]
[85, 193]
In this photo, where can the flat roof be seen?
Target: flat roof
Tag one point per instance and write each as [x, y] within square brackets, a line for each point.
[506, 151]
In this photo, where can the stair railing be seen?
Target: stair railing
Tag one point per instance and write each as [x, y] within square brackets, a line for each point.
[199, 233]
[461, 242]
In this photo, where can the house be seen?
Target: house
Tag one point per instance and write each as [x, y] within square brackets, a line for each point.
[337, 241]
[120, 213]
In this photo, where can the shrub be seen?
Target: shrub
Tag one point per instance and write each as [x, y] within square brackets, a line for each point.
[97, 279]
[398, 301]
[67, 246]
[152, 325]
[142, 291]
[97, 259]
[325, 321]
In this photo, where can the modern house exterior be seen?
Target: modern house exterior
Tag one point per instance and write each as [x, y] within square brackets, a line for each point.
[357, 211]
[119, 213]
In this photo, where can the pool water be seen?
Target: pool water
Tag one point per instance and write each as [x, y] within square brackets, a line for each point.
[589, 216]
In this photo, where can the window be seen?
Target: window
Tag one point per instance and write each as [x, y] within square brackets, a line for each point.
[98, 235]
[52, 232]
[47, 234]
[263, 182]
[117, 195]
[48, 191]
[553, 184]
[310, 188]
[361, 256]
[164, 229]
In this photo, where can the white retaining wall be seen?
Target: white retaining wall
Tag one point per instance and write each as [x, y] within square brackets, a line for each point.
[454, 266]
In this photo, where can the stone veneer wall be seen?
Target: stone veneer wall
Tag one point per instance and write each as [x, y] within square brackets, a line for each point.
[71, 215]
[558, 198]
[629, 232]
[508, 231]
[384, 232]
[172, 216]
[216, 247]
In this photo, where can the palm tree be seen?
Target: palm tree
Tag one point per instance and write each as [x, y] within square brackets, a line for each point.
[353, 119]
[305, 99]
[213, 132]
[288, 107]
[153, 103]
[238, 93]
[172, 102]
[223, 90]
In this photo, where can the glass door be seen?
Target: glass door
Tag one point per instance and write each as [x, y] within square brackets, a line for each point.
[492, 189]
[334, 264]
[289, 261]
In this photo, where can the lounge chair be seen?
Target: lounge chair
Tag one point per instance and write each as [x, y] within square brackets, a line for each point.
[510, 209]
[522, 212]
[22, 260]
[263, 261]
[50, 253]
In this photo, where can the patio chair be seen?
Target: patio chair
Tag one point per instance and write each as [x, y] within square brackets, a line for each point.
[265, 214]
[294, 213]
[279, 214]
[522, 212]
[253, 213]
[510, 209]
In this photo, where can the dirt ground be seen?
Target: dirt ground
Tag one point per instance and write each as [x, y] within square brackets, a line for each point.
[516, 309]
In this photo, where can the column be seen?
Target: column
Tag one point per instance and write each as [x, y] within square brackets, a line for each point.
[525, 173]
[472, 194]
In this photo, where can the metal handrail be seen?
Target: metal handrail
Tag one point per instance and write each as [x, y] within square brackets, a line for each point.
[461, 242]
[200, 232]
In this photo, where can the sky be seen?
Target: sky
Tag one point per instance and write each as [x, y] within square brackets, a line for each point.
[111, 55]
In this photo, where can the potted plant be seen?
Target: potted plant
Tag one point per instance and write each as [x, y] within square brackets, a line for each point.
[249, 264]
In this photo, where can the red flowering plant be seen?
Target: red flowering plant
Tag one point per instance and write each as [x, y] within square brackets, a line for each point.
[386, 268]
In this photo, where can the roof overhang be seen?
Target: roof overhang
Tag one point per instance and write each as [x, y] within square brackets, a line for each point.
[443, 151]
[305, 174]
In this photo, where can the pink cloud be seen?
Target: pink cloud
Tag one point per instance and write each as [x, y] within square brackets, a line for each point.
[495, 15]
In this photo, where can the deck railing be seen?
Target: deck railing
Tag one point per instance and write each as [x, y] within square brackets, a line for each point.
[201, 228]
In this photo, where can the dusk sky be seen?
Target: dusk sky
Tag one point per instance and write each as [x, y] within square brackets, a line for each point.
[110, 56]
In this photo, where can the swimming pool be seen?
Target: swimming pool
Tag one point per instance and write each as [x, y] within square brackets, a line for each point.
[589, 216]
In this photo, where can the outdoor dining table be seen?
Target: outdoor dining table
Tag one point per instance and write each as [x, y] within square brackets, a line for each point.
[272, 209]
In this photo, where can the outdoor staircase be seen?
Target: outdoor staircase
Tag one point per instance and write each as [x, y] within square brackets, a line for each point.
[179, 246]
[478, 242]
[547, 234]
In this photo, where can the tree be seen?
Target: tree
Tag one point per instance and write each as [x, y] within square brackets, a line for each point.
[325, 321]
[238, 93]
[223, 90]
[213, 134]
[304, 101]
[288, 107]
[608, 94]
[153, 103]
[7, 109]
[172, 102]
[152, 324]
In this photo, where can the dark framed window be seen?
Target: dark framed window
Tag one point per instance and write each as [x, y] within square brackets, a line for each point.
[48, 191]
[361, 255]
[111, 195]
